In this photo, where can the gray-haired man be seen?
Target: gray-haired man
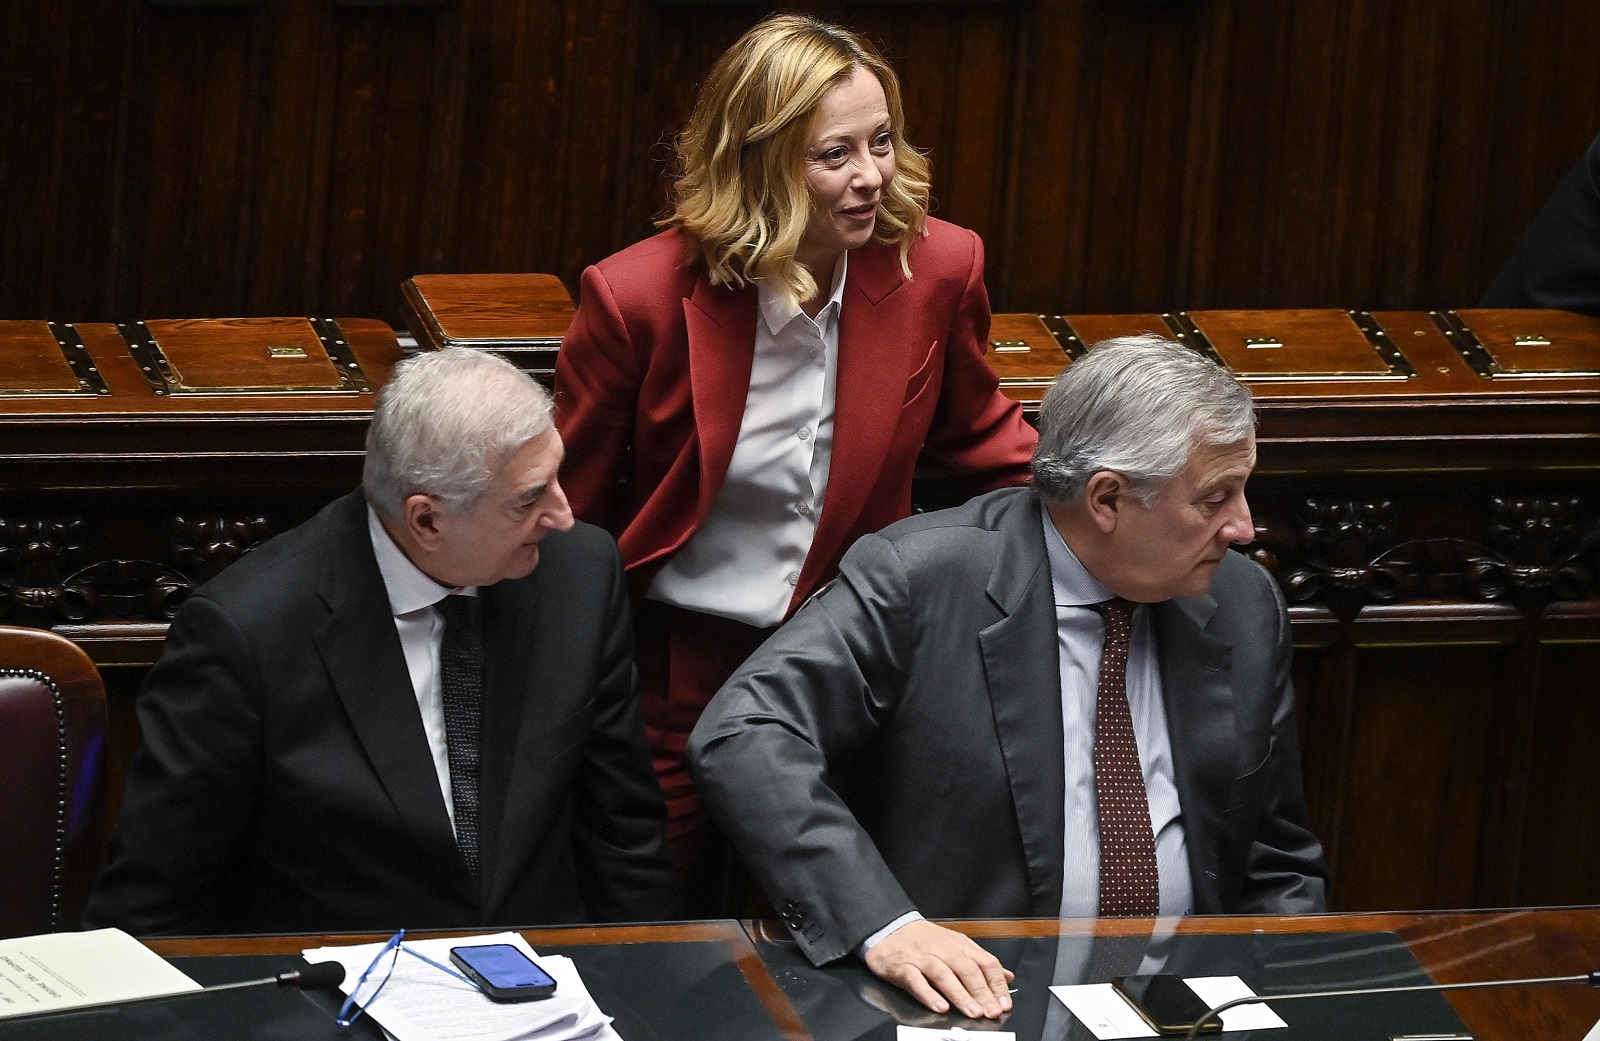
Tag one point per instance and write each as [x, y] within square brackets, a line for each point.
[1065, 700]
[416, 709]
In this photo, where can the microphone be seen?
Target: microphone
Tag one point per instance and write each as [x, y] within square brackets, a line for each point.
[1592, 979]
[325, 975]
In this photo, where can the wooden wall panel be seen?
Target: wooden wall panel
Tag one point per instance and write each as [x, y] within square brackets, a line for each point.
[298, 158]
[1563, 786]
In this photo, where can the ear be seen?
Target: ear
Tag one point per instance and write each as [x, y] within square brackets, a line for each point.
[423, 515]
[1103, 499]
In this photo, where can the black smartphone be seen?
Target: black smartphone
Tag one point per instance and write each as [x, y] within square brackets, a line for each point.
[1165, 1002]
[503, 972]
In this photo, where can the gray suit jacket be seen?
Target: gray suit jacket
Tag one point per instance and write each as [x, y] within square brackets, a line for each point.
[897, 744]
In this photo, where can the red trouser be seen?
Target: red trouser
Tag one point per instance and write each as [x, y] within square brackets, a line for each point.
[684, 657]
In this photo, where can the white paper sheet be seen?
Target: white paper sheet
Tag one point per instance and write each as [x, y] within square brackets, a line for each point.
[1109, 1017]
[1214, 990]
[63, 970]
[1100, 1008]
[1593, 1034]
[420, 1003]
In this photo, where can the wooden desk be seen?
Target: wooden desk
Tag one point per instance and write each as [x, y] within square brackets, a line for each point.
[658, 981]
[1450, 946]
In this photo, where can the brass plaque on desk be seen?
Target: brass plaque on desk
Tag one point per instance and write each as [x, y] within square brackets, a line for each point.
[244, 356]
[45, 359]
[1308, 345]
[1524, 343]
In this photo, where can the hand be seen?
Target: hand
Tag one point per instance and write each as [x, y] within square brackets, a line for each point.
[929, 961]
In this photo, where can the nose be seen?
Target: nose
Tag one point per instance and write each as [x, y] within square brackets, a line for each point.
[869, 176]
[1240, 527]
[559, 514]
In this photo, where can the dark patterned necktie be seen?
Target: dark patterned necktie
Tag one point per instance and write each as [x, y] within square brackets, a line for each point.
[461, 682]
[1129, 883]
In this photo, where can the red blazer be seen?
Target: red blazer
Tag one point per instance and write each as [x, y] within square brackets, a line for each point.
[657, 364]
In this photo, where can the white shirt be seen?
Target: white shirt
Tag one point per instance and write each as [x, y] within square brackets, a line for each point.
[744, 561]
[412, 595]
[1080, 635]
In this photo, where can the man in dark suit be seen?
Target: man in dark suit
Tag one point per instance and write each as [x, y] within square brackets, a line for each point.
[416, 709]
[1066, 700]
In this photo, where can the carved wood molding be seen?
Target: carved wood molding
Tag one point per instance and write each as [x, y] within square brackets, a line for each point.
[55, 570]
[1347, 553]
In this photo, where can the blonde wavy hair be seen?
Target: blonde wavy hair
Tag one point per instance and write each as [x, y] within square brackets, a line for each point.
[740, 189]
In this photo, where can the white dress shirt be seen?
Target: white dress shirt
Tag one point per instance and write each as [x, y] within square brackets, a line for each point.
[744, 561]
[412, 595]
[1080, 635]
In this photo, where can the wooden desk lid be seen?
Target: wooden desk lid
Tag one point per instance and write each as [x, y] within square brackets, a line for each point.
[45, 359]
[1024, 352]
[487, 310]
[244, 356]
[1307, 345]
[1512, 344]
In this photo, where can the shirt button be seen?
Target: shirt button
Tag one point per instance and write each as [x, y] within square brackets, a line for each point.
[793, 578]
[803, 509]
[815, 351]
[804, 434]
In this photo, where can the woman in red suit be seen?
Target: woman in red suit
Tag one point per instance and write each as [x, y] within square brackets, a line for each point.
[746, 393]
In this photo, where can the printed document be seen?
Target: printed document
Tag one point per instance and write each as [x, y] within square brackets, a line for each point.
[421, 1003]
[64, 970]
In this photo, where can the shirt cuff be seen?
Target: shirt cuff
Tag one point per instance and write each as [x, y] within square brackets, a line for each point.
[872, 941]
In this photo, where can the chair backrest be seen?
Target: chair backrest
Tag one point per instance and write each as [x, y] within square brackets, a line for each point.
[52, 743]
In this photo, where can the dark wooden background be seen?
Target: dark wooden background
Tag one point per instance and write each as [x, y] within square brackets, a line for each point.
[297, 157]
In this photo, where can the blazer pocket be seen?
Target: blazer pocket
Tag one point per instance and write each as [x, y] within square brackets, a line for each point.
[918, 383]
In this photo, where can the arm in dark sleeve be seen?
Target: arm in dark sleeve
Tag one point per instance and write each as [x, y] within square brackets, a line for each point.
[1285, 871]
[596, 395]
[1557, 262]
[619, 816]
[191, 788]
[978, 433]
[767, 748]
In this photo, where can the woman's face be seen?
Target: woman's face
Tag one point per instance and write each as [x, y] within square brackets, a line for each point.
[848, 161]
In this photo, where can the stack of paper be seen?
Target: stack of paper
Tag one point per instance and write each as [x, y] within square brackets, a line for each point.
[64, 970]
[420, 1003]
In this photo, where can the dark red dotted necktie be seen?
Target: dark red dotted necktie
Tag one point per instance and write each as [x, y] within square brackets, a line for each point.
[1130, 885]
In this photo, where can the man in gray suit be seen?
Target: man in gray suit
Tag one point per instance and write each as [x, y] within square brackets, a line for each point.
[973, 720]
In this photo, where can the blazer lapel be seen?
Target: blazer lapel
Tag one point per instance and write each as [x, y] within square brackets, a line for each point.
[361, 649]
[1022, 667]
[512, 642]
[1195, 668]
[874, 361]
[721, 324]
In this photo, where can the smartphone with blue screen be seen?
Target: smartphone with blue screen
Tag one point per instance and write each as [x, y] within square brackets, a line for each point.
[503, 972]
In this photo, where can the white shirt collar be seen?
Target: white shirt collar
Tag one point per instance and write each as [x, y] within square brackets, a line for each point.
[408, 587]
[778, 310]
[1070, 580]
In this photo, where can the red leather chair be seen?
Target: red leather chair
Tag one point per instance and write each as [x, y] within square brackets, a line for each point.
[52, 743]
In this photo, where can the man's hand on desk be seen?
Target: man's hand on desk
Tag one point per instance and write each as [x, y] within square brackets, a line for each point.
[929, 961]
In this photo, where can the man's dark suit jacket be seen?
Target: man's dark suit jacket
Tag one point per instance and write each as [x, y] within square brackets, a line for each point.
[285, 784]
[897, 745]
